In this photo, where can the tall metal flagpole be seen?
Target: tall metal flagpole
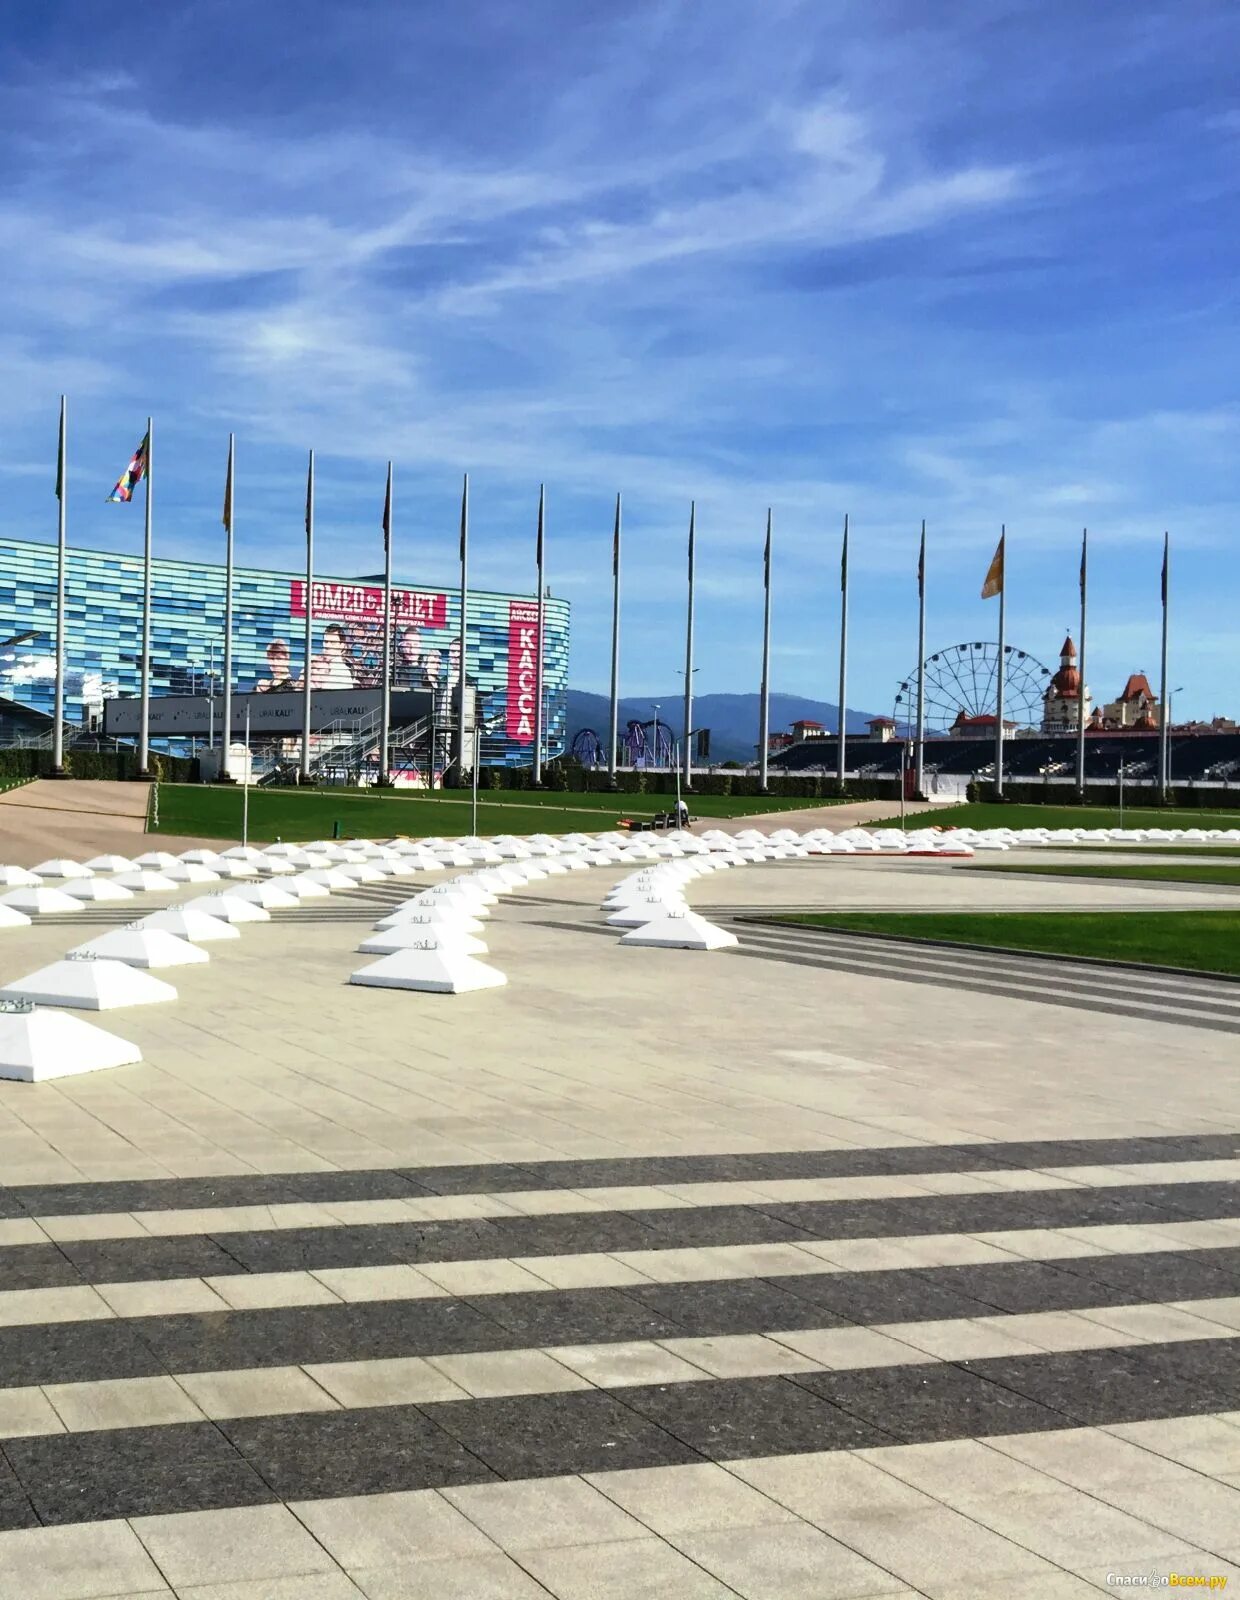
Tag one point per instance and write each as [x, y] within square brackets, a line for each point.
[614, 739]
[764, 709]
[1080, 704]
[306, 686]
[1164, 740]
[538, 664]
[840, 754]
[385, 690]
[58, 726]
[688, 758]
[229, 502]
[144, 727]
[1002, 661]
[460, 767]
[919, 765]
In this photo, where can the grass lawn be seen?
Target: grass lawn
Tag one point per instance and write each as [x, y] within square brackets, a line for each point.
[212, 812]
[1014, 816]
[1159, 871]
[1207, 941]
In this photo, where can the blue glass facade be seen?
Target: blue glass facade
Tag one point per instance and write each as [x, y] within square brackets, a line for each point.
[103, 638]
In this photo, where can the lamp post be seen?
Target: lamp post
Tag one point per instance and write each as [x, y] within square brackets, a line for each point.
[245, 793]
[479, 729]
[1167, 718]
[653, 760]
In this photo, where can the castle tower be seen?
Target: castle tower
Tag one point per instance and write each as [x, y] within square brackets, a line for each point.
[1065, 695]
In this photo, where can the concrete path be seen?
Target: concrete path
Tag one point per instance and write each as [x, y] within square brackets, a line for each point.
[78, 818]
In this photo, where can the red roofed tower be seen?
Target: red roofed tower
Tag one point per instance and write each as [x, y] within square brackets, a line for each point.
[1065, 694]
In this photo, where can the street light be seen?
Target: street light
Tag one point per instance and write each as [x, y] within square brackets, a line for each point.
[479, 729]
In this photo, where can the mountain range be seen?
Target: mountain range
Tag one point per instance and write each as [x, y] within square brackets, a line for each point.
[731, 718]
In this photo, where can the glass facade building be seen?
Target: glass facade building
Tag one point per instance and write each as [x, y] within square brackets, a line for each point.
[103, 638]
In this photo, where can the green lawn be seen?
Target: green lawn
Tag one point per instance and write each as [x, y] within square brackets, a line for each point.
[1160, 871]
[1207, 941]
[214, 812]
[1014, 816]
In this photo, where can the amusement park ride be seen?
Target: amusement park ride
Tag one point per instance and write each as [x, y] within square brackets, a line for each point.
[642, 744]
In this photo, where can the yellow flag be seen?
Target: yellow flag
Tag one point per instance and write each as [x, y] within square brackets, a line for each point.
[994, 573]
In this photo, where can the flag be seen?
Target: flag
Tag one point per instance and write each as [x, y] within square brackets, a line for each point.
[387, 513]
[615, 543]
[692, 517]
[844, 558]
[766, 555]
[1165, 565]
[921, 564]
[464, 516]
[228, 492]
[310, 496]
[1084, 550]
[993, 583]
[60, 456]
[133, 473]
[538, 554]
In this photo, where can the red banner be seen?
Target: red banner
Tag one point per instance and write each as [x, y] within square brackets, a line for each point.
[361, 602]
[524, 645]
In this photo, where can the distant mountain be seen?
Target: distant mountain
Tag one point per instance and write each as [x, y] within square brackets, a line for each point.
[731, 718]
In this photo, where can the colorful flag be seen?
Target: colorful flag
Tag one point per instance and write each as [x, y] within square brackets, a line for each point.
[921, 563]
[844, 558]
[133, 473]
[993, 583]
[227, 518]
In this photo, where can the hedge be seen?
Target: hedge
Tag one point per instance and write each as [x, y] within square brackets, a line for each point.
[19, 762]
[1140, 797]
[569, 776]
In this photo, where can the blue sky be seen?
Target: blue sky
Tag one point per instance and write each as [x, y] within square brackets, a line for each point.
[973, 262]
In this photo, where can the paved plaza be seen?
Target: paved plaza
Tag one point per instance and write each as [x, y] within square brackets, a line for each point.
[817, 1268]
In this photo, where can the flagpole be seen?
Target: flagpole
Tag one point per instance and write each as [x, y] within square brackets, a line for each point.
[460, 768]
[840, 755]
[538, 664]
[1164, 741]
[1080, 715]
[920, 752]
[688, 754]
[224, 775]
[58, 712]
[144, 727]
[614, 740]
[385, 692]
[1002, 665]
[764, 709]
[306, 686]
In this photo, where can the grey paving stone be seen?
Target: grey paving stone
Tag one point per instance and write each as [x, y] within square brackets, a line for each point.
[574, 1316]
[929, 1401]
[732, 1305]
[74, 1352]
[36, 1266]
[127, 1260]
[1098, 1387]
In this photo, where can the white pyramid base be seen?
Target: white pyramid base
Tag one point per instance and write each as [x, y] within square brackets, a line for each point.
[433, 971]
[195, 926]
[144, 947]
[36, 1045]
[440, 937]
[425, 918]
[100, 985]
[688, 931]
[648, 911]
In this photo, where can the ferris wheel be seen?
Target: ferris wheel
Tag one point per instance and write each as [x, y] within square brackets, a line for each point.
[964, 678]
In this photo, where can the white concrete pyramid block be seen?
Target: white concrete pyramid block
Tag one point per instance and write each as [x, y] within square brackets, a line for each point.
[432, 971]
[242, 852]
[414, 936]
[637, 916]
[227, 908]
[90, 985]
[362, 872]
[235, 869]
[681, 930]
[431, 917]
[156, 859]
[40, 902]
[203, 856]
[144, 880]
[96, 889]
[18, 878]
[281, 849]
[191, 872]
[305, 887]
[271, 896]
[37, 1045]
[61, 867]
[143, 947]
[273, 867]
[195, 926]
[110, 864]
[11, 918]
[328, 878]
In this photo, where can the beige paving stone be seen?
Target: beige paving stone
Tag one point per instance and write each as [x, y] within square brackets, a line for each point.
[818, 1485]
[494, 1577]
[586, 1271]
[80, 1561]
[1086, 1458]
[497, 1372]
[384, 1531]
[635, 1569]
[639, 1361]
[956, 1471]
[544, 1513]
[481, 1277]
[75, 1303]
[160, 1298]
[1061, 1330]
[103, 1225]
[261, 1392]
[239, 1544]
[1225, 1312]
[839, 1349]
[27, 1411]
[740, 1355]
[303, 1586]
[378, 1283]
[959, 1338]
[1044, 1244]
[396, 1380]
[257, 1291]
[1155, 1323]
[21, 1230]
[689, 1499]
[1207, 1444]
[120, 1403]
[790, 1562]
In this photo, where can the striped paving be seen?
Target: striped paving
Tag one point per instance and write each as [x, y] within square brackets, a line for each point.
[935, 1370]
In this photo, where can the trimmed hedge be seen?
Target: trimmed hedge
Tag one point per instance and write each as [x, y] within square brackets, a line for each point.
[18, 762]
[1139, 797]
[569, 776]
